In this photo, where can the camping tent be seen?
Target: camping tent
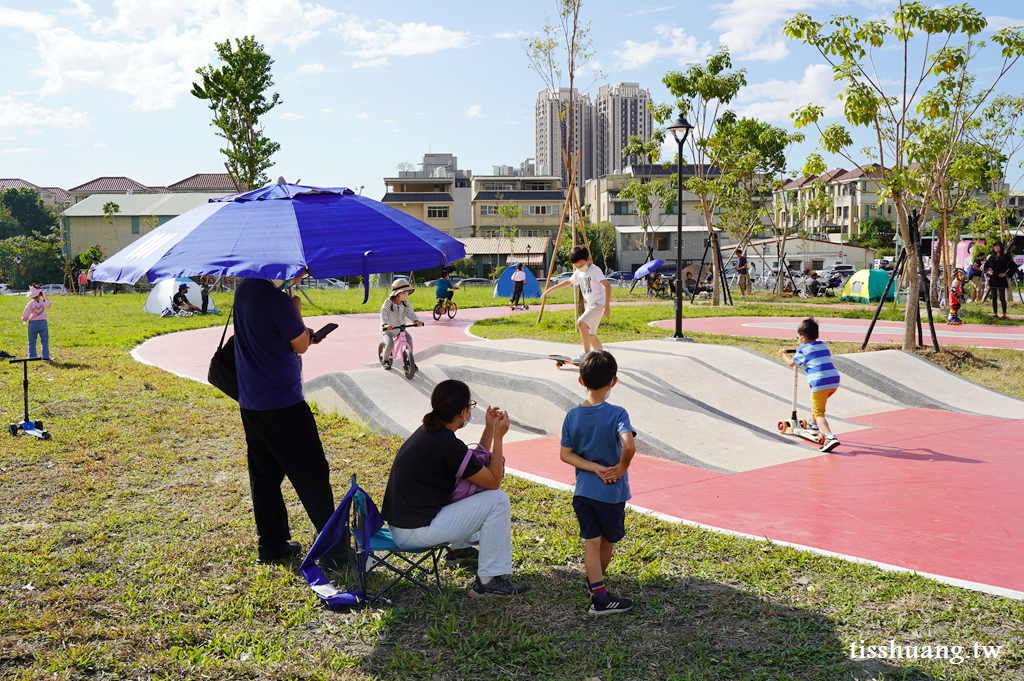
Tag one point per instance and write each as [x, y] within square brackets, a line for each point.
[866, 286]
[162, 292]
[503, 287]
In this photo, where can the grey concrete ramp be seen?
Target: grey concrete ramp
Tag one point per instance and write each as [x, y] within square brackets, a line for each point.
[918, 382]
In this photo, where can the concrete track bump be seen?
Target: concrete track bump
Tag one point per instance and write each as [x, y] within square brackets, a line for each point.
[711, 406]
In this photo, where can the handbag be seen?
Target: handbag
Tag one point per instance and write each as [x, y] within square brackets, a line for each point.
[222, 374]
[466, 488]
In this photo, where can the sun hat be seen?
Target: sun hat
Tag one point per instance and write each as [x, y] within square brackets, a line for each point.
[183, 285]
[401, 285]
[33, 291]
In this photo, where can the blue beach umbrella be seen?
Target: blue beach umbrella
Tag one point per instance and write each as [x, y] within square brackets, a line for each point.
[278, 231]
[648, 268]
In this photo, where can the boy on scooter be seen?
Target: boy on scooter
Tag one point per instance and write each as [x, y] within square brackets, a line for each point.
[821, 375]
[395, 310]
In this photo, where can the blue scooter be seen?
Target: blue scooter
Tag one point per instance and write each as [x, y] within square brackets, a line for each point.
[33, 428]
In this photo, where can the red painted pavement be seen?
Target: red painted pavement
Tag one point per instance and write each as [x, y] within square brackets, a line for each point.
[922, 490]
[853, 330]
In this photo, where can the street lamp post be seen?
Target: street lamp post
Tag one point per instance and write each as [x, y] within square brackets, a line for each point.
[680, 129]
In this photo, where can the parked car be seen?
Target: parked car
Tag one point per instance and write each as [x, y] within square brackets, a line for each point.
[560, 278]
[620, 275]
[5, 289]
[476, 281]
[50, 289]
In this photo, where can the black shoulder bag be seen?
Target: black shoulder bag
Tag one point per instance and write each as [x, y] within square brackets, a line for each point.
[222, 374]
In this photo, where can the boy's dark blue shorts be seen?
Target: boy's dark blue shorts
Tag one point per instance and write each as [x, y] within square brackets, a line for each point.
[600, 519]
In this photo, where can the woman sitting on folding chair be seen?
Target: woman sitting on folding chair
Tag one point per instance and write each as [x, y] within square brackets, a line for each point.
[423, 476]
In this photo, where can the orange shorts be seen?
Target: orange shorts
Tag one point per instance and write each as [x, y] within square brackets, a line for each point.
[818, 401]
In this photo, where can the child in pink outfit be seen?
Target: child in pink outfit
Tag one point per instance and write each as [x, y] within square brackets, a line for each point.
[35, 315]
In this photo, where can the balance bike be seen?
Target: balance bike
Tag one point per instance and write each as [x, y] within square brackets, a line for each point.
[400, 349]
[33, 428]
[799, 426]
[445, 306]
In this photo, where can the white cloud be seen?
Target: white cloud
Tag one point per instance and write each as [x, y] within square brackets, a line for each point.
[998, 23]
[651, 10]
[291, 116]
[312, 68]
[679, 45]
[753, 28]
[22, 150]
[370, 63]
[409, 39]
[30, 21]
[388, 120]
[774, 100]
[150, 49]
[510, 35]
[362, 116]
[80, 9]
[473, 111]
[325, 111]
[15, 115]
[99, 145]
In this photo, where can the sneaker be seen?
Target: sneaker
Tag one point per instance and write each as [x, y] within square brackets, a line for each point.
[386, 363]
[830, 444]
[579, 358]
[812, 426]
[461, 556]
[279, 554]
[609, 606]
[499, 586]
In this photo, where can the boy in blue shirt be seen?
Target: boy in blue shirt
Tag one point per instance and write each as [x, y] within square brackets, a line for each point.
[444, 289]
[821, 375]
[597, 438]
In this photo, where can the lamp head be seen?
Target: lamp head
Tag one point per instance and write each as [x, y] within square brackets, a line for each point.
[680, 128]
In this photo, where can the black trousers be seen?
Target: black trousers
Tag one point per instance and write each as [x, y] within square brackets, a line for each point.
[517, 292]
[1000, 292]
[285, 442]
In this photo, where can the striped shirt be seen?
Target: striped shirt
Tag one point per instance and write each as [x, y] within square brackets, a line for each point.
[817, 362]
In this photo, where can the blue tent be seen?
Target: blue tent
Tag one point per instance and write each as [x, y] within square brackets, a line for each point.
[503, 287]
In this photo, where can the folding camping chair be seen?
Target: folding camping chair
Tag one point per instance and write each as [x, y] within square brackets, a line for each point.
[414, 565]
[372, 549]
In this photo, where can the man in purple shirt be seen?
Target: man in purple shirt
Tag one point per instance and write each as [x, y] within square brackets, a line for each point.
[280, 431]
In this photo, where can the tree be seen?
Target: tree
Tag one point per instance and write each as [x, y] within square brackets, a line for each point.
[1001, 133]
[572, 37]
[701, 91]
[237, 94]
[875, 233]
[871, 100]
[22, 213]
[28, 260]
[646, 192]
[405, 167]
[508, 212]
[602, 240]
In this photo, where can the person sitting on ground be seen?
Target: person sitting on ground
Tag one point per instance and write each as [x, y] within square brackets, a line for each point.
[597, 439]
[393, 313]
[689, 284]
[813, 285]
[179, 303]
[444, 290]
[655, 287]
[417, 498]
[518, 281]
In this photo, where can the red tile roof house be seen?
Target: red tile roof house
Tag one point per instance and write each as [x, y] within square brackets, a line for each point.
[53, 197]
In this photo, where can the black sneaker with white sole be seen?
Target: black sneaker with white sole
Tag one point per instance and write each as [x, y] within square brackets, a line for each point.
[609, 606]
[830, 444]
[498, 586]
[461, 556]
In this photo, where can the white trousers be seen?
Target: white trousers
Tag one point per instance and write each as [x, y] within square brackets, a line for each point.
[488, 512]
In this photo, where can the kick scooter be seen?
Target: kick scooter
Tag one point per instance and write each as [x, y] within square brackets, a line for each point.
[799, 426]
[33, 428]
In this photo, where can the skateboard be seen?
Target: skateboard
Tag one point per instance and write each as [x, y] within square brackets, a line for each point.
[562, 359]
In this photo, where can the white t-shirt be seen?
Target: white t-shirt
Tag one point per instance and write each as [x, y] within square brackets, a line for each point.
[519, 275]
[589, 280]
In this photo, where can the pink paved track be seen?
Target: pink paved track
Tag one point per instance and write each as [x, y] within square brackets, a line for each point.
[922, 490]
[853, 330]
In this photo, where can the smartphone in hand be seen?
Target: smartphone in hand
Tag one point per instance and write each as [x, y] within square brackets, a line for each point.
[322, 333]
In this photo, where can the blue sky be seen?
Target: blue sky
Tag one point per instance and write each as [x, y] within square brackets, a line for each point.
[101, 88]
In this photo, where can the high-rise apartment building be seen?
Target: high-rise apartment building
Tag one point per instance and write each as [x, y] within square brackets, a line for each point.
[620, 110]
[601, 129]
[551, 126]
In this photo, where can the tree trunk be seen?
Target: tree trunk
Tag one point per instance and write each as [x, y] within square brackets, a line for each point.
[913, 281]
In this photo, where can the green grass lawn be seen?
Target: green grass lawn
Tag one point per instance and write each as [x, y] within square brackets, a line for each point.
[127, 551]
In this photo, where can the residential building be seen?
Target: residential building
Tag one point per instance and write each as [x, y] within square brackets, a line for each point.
[85, 223]
[489, 254]
[551, 128]
[204, 183]
[53, 197]
[620, 110]
[438, 194]
[539, 199]
[798, 251]
[110, 185]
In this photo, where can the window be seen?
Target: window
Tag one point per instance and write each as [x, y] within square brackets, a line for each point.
[661, 243]
[437, 211]
[620, 208]
[536, 186]
[673, 209]
[135, 224]
[539, 210]
[488, 210]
